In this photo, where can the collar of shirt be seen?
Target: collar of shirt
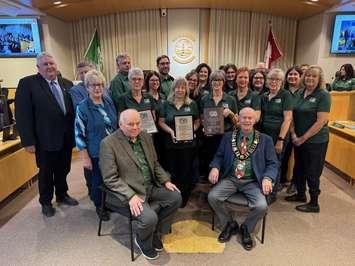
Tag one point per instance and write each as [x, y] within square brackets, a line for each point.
[55, 80]
[248, 136]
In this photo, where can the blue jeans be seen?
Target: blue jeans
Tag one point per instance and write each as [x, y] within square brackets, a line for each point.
[96, 182]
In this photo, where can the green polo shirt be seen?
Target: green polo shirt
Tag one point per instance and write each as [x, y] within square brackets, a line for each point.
[343, 85]
[227, 101]
[127, 101]
[142, 160]
[166, 83]
[249, 100]
[272, 112]
[249, 173]
[159, 104]
[169, 111]
[119, 86]
[305, 114]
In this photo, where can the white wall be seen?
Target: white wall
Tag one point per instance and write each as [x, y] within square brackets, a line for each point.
[313, 44]
[56, 40]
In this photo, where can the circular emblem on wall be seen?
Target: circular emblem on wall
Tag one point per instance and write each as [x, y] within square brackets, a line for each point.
[183, 50]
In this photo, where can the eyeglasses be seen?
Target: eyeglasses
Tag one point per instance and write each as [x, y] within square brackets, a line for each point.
[137, 79]
[96, 85]
[193, 80]
[217, 80]
[274, 79]
[258, 77]
[154, 80]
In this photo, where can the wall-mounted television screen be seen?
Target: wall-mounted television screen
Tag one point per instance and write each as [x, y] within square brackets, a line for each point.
[19, 37]
[343, 41]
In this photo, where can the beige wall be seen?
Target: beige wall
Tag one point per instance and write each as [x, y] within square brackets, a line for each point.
[55, 35]
[313, 44]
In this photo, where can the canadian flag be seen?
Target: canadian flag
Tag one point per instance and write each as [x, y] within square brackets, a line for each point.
[272, 52]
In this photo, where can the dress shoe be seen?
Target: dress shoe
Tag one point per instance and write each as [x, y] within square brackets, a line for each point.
[157, 244]
[308, 208]
[48, 210]
[247, 242]
[291, 189]
[230, 229]
[296, 198]
[67, 200]
[147, 252]
[104, 215]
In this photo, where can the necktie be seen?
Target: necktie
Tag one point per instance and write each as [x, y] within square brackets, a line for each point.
[243, 146]
[240, 170]
[58, 95]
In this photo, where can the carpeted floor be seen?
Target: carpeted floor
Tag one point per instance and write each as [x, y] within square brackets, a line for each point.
[292, 238]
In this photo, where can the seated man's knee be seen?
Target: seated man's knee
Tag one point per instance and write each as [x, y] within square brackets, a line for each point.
[212, 197]
[148, 218]
[176, 198]
[260, 205]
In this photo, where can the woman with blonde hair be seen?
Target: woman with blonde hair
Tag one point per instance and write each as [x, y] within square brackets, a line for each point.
[310, 135]
[180, 153]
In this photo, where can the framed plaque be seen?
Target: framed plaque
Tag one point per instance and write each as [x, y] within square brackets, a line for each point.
[148, 123]
[184, 128]
[213, 121]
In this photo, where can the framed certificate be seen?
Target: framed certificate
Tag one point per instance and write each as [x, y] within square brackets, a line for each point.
[213, 121]
[148, 123]
[184, 128]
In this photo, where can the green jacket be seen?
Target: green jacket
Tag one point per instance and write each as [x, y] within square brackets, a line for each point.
[119, 86]
[120, 168]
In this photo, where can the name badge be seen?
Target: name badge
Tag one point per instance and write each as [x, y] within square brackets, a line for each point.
[187, 109]
[247, 101]
[146, 100]
[312, 100]
[277, 100]
[225, 105]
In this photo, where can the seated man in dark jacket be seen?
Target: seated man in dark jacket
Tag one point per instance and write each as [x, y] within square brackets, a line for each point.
[245, 162]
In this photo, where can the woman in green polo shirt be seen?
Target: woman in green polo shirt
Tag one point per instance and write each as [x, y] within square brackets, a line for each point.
[346, 80]
[293, 85]
[243, 95]
[217, 98]
[180, 153]
[310, 135]
[276, 115]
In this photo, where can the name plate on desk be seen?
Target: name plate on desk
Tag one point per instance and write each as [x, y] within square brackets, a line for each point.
[184, 128]
[148, 123]
[213, 121]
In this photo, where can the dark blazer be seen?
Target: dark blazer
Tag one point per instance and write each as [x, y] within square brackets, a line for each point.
[263, 160]
[39, 118]
[120, 168]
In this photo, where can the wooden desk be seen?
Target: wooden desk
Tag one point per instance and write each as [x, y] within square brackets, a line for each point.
[341, 148]
[16, 167]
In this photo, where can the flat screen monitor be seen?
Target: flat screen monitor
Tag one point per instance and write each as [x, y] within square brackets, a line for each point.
[19, 37]
[343, 41]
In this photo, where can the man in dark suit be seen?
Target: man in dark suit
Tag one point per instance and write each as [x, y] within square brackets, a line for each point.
[130, 167]
[45, 121]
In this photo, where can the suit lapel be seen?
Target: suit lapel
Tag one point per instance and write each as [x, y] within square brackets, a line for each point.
[65, 95]
[127, 147]
[148, 153]
[45, 86]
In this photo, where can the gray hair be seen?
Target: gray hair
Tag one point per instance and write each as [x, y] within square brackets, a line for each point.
[41, 55]
[93, 75]
[134, 72]
[85, 64]
[121, 57]
[276, 73]
[218, 75]
[178, 82]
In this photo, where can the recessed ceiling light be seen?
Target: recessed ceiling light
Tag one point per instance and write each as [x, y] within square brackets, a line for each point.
[57, 2]
[314, 0]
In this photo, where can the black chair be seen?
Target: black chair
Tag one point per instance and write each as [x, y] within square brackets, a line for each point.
[124, 211]
[238, 199]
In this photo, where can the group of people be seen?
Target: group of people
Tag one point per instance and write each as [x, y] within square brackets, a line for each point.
[265, 114]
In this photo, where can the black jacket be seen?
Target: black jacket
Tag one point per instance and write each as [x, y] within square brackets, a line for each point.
[39, 118]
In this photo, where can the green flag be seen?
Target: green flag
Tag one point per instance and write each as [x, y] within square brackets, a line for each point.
[93, 52]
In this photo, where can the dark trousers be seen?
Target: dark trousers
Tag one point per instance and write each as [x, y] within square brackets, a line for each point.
[284, 164]
[87, 175]
[96, 182]
[180, 164]
[53, 169]
[208, 150]
[309, 163]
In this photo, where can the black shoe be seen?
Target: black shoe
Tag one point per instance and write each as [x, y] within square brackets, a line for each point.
[291, 189]
[281, 186]
[270, 199]
[247, 242]
[48, 210]
[157, 244]
[67, 200]
[230, 229]
[308, 208]
[148, 253]
[296, 198]
[104, 215]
